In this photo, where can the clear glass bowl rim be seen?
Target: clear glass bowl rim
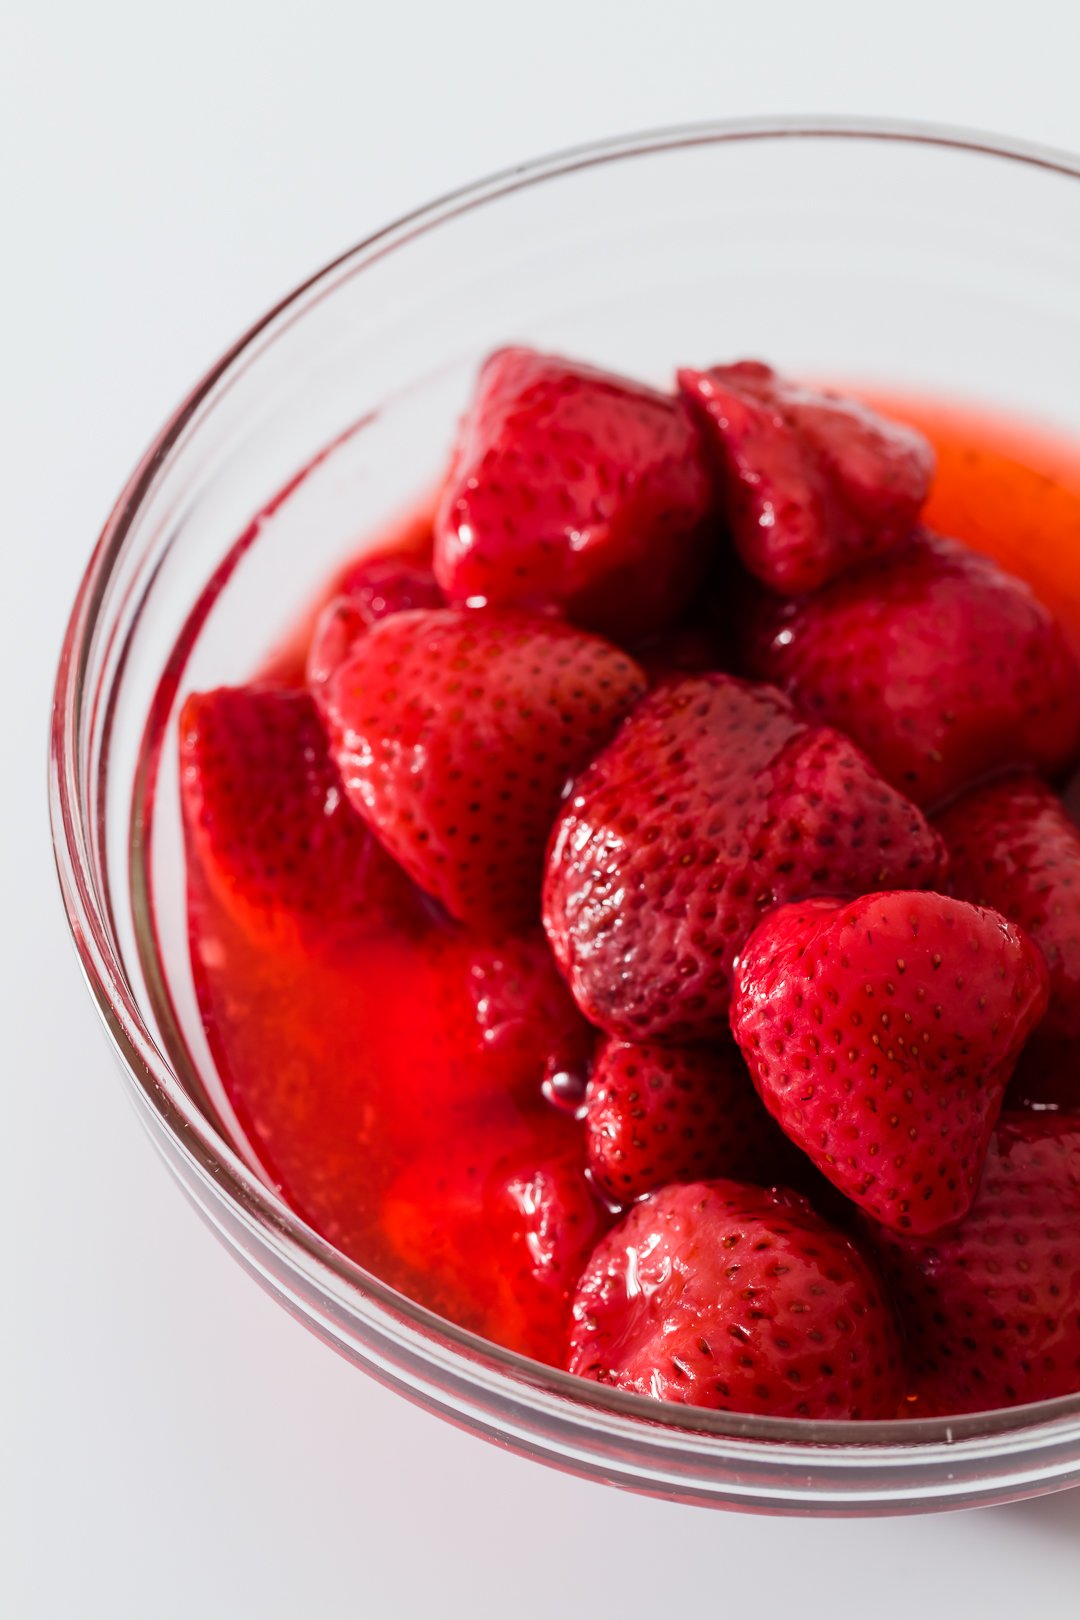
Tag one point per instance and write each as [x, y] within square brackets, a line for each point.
[463, 1356]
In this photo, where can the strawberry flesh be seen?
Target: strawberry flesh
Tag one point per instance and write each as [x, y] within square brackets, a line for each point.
[714, 803]
[574, 490]
[737, 1298]
[992, 1310]
[881, 1034]
[814, 483]
[941, 667]
[658, 1114]
[455, 733]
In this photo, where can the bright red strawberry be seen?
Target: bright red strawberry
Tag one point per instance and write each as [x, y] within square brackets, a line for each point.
[1012, 846]
[370, 591]
[267, 819]
[575, 490]
[740, 1299]
[942, 667]
[656, 1114]
[455, 733]
[815, 483]
[881, 1034]
[714, 803]
[498, 1231]
[992, 1311]
[519, 1010]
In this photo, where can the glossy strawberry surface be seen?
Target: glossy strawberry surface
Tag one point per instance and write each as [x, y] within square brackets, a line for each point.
[941, 667]
[992, 1310]
[881, 1034]
[814, 483]
[656, 1114]
[576, 490]
[455, 733]
[737, 1298]
[714, 803]
[1012, 845]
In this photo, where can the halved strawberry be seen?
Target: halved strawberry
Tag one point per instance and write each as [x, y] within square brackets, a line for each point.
[740, 1299]
[881, 1034]
[575, 490]
[815, 482]
[455, 732]
[267, 819]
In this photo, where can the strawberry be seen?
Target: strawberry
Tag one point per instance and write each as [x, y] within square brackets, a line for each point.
[455, 733]
[575, 490]
[370, 591]
[516, 1013]
[942, 667]
[740, 1299]
[497, 1228]
[1012, 846]
[656, 1114]
[881, 1033]
[992, 1311]
[815, 483]
[714, 803]
[267, 820]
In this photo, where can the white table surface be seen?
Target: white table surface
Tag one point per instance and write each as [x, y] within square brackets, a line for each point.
[171, 1444]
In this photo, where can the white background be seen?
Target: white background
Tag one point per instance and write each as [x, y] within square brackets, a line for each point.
[172, 1445]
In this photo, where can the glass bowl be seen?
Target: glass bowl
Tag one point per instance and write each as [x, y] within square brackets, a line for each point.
[928, 260]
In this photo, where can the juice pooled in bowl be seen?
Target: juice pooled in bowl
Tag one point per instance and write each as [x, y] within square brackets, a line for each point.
[642, 922]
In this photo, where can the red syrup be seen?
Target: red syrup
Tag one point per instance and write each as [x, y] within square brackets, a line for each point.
[409, 1088]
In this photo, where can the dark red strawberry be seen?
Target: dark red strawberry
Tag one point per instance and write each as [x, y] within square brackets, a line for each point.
[881, 1034]
[267, 819]
[992, 1311]
[370, 591]
[498, 1231]
[740, 1299]
[814, 482]
[455, 733]
[575, 490]
[942, 667]
[1012, 846]
[714, 803]
[656, 1114]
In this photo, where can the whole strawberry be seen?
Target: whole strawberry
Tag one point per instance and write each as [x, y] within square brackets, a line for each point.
[720, 1295]
[939, 665]
[575, 490]
[657, 1114]
[455, 732]
[267, 821]
[881, 1034]
[992, 1310]
[714, 803]
[1013, 846]
[815, 483]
